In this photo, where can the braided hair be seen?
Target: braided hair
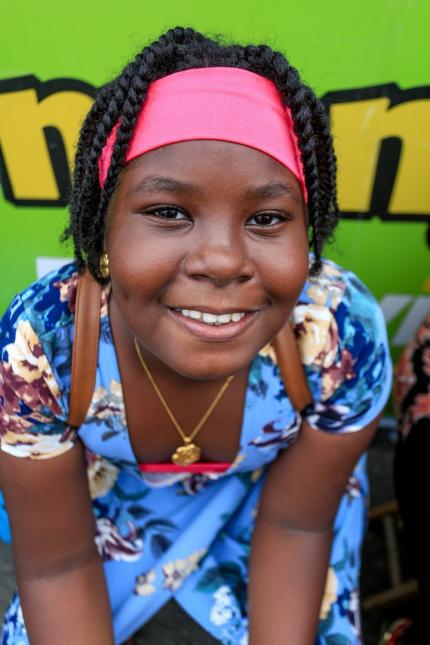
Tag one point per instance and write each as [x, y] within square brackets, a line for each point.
[120, 102]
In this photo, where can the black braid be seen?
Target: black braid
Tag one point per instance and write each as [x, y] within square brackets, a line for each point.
[119, 103]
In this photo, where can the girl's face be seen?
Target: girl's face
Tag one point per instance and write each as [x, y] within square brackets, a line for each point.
[202, 232]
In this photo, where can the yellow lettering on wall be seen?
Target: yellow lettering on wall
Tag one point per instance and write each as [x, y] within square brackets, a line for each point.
[23, 143]
[411, 192]
[359, 128]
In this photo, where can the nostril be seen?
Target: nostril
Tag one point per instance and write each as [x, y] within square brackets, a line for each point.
[219, 264]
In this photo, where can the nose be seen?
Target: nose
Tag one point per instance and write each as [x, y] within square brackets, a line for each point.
[221, 259]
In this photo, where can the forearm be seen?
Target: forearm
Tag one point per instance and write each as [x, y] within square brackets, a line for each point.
[288, 569]
[69, 607]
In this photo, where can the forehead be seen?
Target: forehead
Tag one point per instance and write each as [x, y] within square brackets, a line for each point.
[205, 163]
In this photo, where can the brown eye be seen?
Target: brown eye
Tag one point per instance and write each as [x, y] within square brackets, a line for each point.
[167, 212]
[265, 219]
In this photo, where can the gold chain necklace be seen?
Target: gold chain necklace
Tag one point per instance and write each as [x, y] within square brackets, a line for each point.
[189, 452]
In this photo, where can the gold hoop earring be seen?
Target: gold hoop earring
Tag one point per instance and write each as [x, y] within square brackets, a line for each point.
[104, 266]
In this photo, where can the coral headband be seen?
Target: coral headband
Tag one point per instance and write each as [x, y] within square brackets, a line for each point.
[213, 103]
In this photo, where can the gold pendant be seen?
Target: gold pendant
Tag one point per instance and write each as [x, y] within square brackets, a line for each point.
[187, 454]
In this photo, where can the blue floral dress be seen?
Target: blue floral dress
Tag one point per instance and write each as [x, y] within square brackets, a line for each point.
[187, 536]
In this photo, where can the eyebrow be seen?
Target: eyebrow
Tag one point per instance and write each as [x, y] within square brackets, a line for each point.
[272, 190]
[155, 183]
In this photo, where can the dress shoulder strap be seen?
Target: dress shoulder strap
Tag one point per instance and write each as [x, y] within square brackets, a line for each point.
[85, 352]
[291, 368]
[85, 348]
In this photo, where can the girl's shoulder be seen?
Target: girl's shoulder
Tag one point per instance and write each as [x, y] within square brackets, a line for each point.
[342, 338]
[333, 309]
[46, 305]
[336, 287]
[36, 336]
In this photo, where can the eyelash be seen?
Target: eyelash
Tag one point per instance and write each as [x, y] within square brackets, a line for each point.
[157, 210]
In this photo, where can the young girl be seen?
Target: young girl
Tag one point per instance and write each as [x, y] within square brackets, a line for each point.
[203, 174]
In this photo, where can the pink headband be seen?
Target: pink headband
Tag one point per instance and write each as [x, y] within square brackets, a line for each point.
[215, 103]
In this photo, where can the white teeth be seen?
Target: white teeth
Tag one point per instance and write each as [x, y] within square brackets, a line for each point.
[209, 318]
[196, 315]
[212, 319]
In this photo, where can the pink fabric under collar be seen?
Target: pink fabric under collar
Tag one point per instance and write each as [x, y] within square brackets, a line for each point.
[213, 103]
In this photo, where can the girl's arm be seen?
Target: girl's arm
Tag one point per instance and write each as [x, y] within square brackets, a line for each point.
[60, 575]
[292, 538]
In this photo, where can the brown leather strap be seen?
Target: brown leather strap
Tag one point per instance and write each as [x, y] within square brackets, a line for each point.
[291, 368]
[85, 348]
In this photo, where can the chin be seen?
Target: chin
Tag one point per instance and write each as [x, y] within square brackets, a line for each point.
[209, 370]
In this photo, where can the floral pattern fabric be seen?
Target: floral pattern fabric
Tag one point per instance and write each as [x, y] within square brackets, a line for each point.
[187, 536]
[412, 383]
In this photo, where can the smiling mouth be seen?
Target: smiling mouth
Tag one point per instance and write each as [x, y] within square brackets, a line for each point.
[212, 319]
[210, 326]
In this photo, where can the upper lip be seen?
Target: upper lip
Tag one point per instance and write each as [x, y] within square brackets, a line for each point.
[215, 310]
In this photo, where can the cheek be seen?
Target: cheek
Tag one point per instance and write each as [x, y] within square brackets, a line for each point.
[140, 266]
[285, 270]
[139, 274]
